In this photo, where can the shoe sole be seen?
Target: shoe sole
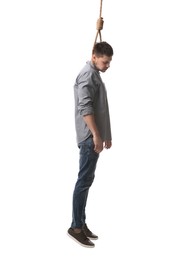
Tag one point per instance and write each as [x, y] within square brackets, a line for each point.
[88, 246]
[92, 238]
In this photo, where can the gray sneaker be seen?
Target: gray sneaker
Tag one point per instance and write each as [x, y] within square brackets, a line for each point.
[88, 233]
[80, 238]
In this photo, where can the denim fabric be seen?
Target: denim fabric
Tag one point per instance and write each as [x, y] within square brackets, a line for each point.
[87, 166]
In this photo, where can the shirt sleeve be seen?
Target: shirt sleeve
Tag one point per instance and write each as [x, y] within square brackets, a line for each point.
[86, 94]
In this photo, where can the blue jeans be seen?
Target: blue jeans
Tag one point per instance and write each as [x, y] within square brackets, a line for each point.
[87, 165]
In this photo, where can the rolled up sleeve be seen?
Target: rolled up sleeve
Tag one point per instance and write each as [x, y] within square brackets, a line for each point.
[86, 93]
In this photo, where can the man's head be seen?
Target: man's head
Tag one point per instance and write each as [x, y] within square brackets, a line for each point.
[102, 55]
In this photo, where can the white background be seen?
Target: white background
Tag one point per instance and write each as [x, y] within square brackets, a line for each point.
[43, 46]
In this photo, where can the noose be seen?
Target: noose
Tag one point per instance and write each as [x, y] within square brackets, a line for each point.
[99, 24]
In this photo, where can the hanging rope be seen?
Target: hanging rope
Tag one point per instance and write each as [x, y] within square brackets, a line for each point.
[99, 24]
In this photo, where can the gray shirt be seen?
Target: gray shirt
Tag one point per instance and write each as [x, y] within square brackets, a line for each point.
[91, 98]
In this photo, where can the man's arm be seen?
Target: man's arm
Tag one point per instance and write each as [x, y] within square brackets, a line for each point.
[98, 143]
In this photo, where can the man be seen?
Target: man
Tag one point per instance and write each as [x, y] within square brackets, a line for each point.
[93, 133]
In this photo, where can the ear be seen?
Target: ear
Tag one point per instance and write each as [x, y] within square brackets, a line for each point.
[93, 57]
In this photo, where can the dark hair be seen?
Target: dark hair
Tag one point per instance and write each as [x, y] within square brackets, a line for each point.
[102, 48]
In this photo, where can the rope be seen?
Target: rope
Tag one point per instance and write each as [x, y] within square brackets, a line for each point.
[99, 24]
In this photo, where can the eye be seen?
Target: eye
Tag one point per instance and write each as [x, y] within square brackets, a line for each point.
[106, 63]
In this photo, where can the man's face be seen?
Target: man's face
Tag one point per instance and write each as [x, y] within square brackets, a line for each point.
[102, 63]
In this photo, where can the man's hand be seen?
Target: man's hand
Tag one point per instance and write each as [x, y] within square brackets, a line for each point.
[107, 144]
[98, 144]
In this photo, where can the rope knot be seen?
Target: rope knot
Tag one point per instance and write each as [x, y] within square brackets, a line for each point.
[99, 24]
